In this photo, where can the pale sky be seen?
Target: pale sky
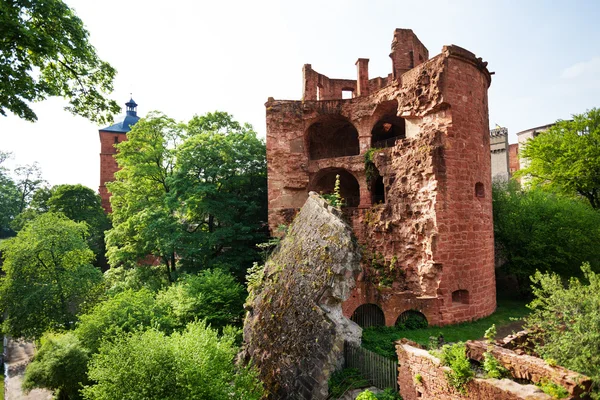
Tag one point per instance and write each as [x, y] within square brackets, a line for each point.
[189, 57]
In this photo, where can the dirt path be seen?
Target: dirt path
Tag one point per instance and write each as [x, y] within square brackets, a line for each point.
[18, 355]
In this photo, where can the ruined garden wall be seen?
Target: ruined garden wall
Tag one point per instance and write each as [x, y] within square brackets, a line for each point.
[429, 245]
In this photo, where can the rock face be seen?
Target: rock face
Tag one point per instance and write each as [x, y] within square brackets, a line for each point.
[413, 154]
[294, 329]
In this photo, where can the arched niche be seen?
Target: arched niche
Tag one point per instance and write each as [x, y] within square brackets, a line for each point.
[332, 136]
[389, 127]
[367, 315]
[324, 183]
[411, 319]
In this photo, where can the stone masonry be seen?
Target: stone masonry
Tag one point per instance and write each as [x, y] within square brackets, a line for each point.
[294, 330]
[412, 152]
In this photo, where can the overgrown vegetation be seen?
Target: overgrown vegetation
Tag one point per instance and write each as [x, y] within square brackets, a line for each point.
[344, 380]
[371, 171]
[537, 230]
[565, 321]
[491, 366]
[454, 356]
[335, 198]
[387, 394]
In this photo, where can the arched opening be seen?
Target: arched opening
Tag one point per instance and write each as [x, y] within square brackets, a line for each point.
[479, 190]
[411, 319]
[332, 137]
[368, 315]
[378, 191]
[324, 183]
[389, 127]
[460, 297]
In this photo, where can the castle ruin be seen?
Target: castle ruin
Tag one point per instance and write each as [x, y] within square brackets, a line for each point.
[412, 152]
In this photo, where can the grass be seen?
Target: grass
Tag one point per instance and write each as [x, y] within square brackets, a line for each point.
[381, 339]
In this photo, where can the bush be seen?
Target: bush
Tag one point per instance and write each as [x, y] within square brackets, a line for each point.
[345, 379]
[212, 295]
[195, 364]
[59, 365]
[454, 356]
[128, 311]
[537, 230]
[119, 279]
[565, 321]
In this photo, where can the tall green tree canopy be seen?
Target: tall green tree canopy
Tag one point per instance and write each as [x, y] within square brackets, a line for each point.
[9, 198]
[193, 194]
[537, 230]
[45, 51]
[48, 276]
[566, 157]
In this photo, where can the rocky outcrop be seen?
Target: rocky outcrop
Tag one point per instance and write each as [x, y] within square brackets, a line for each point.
[294, 330]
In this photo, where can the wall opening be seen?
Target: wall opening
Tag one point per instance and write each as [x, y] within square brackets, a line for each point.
[460, 297]
[368, 315]
[347, 94]
[389, 126]
[324, 183]
[411, 319]
[378, 191]
[332, 137]
[479, 190]
[116, 140]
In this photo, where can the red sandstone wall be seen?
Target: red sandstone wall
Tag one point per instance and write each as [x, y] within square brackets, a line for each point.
[513, 158]
[434, 235]
[108, 164]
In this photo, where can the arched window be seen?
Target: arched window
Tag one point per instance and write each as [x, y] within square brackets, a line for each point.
[411, 319]
[389, 126]
[332, 137]
[324, 183]
[368, 315]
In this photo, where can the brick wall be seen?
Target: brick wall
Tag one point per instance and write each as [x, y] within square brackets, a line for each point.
[108, 164]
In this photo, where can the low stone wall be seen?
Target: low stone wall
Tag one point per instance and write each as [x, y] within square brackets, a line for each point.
[433, 384]
[531, 368]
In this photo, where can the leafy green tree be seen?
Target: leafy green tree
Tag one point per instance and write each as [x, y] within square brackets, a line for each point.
[29, 180]
[565, 321]
[193, 195]
[119, 279]
[194, 364]
[48, 276]
[537, 230]
[60, 365]
[127, 311]
[82, 204]
[9, 198]
[566, 157]
[45, 51]
[213, 295]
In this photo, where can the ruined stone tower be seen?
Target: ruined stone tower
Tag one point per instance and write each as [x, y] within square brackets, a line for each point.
[109, 136]
[412, 151]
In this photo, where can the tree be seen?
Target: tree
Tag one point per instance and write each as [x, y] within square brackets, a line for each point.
[60, 365]
[44, 52]
[212, 295]
[537, 230]
[48, 276]
[566, 157]
[194, 364]
[193, 195]
[9, 198]
[29, 180]
[565, 321]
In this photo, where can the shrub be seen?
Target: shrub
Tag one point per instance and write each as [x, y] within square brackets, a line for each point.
[119, 279]
[552, 389]
[454, 356]
[565, 321]
[345, 379]
[59, 365]
[212, 295]
[194, 364]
